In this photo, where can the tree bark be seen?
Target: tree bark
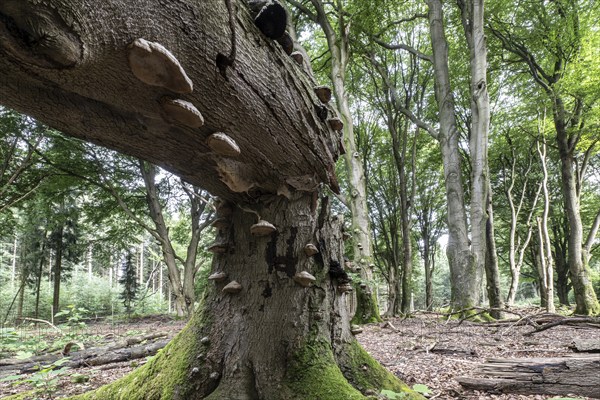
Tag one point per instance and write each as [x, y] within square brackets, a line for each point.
[585, 297]
[274, 339]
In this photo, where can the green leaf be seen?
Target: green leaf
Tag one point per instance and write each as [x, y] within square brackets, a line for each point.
[419, 388]
[392, 395]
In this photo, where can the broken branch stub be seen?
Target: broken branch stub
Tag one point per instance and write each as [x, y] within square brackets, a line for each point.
[183, 112]
[154, 65]
[286, 43]
[336, 124]
[323, 93]
[269, 16]
[224, 145]
[310, 250]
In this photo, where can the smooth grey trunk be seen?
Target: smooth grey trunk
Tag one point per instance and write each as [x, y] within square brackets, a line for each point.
[585, 297]
[463, 271]
[472, 14]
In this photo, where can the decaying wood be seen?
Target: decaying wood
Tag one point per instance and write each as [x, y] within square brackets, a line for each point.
[555, 376]
[586, 345]
[123, 350]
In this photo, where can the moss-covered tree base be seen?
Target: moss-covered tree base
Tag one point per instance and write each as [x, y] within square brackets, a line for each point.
[367, 310]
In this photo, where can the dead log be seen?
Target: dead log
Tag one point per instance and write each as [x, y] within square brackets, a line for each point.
[553, 376]
[586, 345]
[116, 352]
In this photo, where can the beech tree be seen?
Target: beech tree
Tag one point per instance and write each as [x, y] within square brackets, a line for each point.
[202, 90]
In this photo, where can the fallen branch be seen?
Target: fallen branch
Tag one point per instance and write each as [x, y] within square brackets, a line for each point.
[118, 351]
[44, 322]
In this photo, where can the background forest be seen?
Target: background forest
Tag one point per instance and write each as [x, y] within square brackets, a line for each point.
[102, 234]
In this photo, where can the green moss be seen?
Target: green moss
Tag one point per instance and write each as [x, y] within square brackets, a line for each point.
[22, 396]
[367, 310]
[365, 373]
[314, 374]
[163, 377]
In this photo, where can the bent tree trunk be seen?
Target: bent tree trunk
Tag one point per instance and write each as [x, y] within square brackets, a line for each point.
[203, 68]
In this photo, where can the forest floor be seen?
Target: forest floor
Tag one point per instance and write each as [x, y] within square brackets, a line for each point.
[421, 350]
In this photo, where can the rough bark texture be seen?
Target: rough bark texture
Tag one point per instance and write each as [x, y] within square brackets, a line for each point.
[66, 63]
[558, 376]
[463, 273]
[284, 144]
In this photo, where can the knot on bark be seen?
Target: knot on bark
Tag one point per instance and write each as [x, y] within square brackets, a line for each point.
[38, 35]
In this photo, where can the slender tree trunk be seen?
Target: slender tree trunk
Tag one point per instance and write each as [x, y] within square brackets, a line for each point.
[57, 270]
[491, 262]
[38, 285]
[472, 12]
[182, 304]
[13, 274]
[547, 264]
[463, 271]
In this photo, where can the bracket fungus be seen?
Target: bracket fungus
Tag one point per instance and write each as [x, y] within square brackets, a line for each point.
[344, 288]
[355, 329]
[218, 248]
[286, 43]
[336, 124]
[224, 145]
[182, 111]
[304, 279]
[232, 287]
[218, 277]
[323, 93]
[262, 228]
[220, 223]
[154, 65]
[310, 250]
[270, 17]
[298, 57]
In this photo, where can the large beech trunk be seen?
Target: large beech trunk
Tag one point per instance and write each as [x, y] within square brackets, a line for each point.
[275, 338]
[68, 63]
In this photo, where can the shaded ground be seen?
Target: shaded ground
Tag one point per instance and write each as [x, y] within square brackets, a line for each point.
[419, 350]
